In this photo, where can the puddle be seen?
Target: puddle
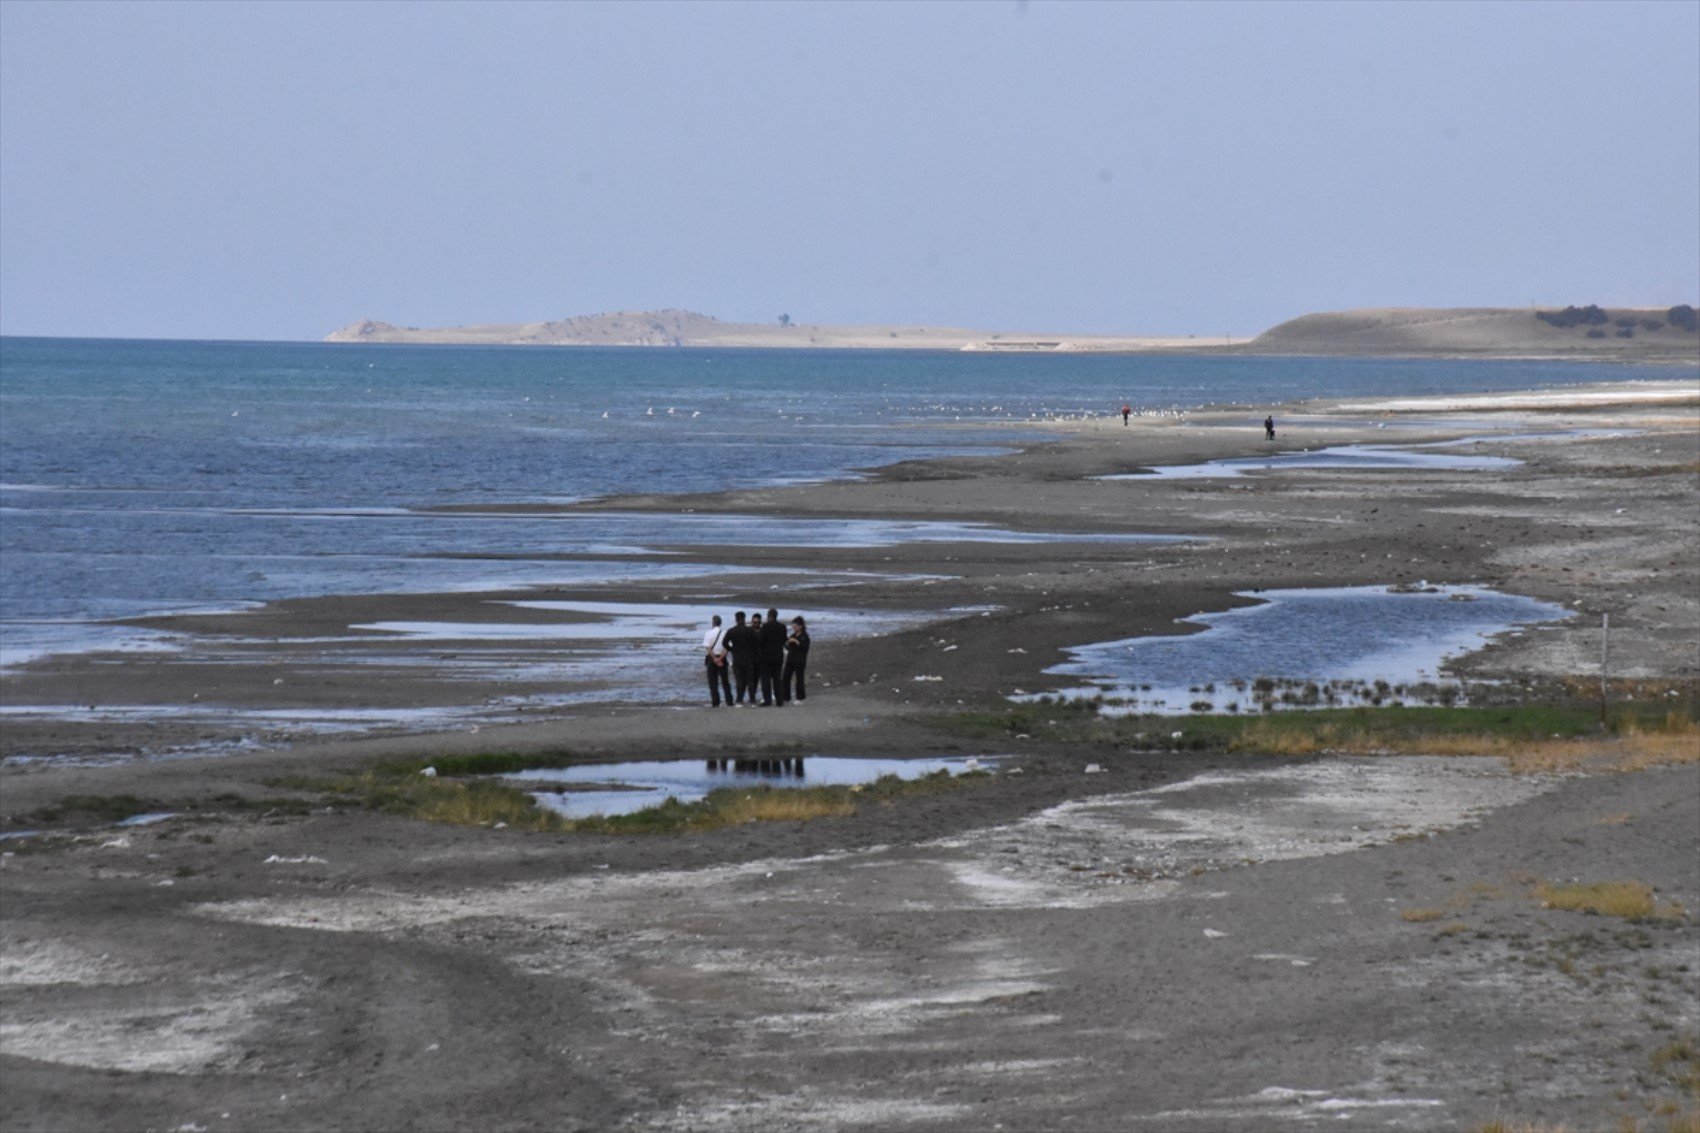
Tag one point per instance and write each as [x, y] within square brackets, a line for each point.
[1304, 648]
[148, 819]
[623, 788]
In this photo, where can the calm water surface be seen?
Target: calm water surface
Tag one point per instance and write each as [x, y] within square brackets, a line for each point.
[142, 477]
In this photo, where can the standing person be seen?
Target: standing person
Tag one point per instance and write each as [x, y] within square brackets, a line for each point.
[741, 641]
[1269, 428]
[1126, 411]
[772, 663]
[796, 661]
[714, 660]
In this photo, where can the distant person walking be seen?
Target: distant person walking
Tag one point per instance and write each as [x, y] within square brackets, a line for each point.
[741, 643]
[714, 660]
[1127, 411]
[1269, 428]
[796, 661]
[771, 665]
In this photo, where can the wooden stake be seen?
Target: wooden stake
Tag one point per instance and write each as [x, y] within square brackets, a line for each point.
[1605, 664]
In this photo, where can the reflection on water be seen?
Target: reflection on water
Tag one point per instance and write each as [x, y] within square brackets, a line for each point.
[1304, 648]
[622, 788]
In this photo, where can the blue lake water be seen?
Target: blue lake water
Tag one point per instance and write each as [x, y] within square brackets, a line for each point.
[1359, 634]
[141, 477]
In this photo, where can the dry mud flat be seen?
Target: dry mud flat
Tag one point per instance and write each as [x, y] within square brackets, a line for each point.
[1179, 941]
[1226, 950]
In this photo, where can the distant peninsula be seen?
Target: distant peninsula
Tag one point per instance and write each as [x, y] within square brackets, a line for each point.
[1590, 332]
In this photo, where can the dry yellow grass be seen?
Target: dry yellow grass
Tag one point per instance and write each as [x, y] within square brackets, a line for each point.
[784, 806]
[1420, 916]
[1631, 900]
[1676, 740]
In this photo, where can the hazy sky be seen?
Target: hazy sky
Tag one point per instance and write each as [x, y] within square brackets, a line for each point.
[253, 170]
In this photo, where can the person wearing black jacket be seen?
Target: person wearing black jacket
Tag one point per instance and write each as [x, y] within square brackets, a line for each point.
[742, 645]
[772, 662]
[796, 661]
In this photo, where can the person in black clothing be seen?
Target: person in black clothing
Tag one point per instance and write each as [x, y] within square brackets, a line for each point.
[714, 660]
[796, 661]
[741, 643]
[1269, 428]
[772, 662]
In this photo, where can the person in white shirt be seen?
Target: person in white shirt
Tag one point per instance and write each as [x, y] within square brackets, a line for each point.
[714, 661]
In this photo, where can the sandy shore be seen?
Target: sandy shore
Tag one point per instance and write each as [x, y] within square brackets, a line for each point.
[1196, 942]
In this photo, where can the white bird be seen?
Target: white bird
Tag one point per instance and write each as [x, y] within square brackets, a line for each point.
[650, 412]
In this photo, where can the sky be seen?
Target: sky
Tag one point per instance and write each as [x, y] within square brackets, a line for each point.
[275, 171]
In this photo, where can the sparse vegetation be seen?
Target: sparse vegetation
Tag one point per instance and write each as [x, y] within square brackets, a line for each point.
[1551, 737]
[1630, 900]
[1679, 1061]
[93, 810]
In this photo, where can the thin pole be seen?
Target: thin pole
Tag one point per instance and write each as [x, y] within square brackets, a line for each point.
[1605, 663]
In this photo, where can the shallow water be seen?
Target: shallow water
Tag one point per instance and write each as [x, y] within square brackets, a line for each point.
[1335, 456]
[624, 788]
[147, 477]
[1337, 634]
[1423, 457]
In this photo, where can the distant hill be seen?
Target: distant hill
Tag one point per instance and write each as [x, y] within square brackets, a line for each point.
[1665, 334]
[688, 328]
[641, 328]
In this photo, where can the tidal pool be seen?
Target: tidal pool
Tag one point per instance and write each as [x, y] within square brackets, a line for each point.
[1411, 457]
[1304, 648]
[624, 788]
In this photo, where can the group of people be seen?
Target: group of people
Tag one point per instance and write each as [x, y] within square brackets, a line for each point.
[758, 656]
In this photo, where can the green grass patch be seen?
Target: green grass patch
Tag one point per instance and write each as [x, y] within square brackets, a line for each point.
[95, 810]
[1429, 728]
[482, 763]
[479, 802]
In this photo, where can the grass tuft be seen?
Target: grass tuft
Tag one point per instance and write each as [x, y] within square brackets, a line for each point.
[1630, 900]
[1679, 1061]
[1422, 916]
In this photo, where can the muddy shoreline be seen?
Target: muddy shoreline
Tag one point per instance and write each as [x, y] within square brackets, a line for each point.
[1181, 941]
